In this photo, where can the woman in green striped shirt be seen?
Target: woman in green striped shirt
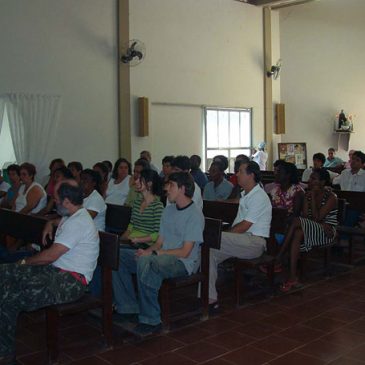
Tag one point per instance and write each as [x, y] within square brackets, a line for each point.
[146, 211]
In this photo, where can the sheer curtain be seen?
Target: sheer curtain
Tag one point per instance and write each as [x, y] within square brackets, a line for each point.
[33, 122]
[2, 109]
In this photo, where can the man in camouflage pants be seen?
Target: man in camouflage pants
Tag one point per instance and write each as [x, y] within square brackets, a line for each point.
[58, 274]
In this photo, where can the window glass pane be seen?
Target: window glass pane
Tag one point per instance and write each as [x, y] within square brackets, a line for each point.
[223, 128]
[228, 133]
[212, 128]
[234, 129]
[245, 129]
[212, 153]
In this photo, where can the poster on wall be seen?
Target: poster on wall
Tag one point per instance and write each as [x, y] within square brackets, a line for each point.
[295, 153]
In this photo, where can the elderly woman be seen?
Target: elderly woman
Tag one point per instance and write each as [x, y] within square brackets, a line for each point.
[315, 227]
[118, 185]
[31, 196]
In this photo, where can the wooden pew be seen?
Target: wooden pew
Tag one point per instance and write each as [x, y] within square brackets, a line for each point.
[222, 210]
[356, 201]
[227, 213]
[22, 226]
[212, 237]
[108, 261]
[117, 218]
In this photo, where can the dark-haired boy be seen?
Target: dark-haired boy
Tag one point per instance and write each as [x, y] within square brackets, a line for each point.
[318, 162]
[175, 254]
[246, 238]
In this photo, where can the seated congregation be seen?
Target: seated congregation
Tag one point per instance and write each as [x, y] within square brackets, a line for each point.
[166, 228]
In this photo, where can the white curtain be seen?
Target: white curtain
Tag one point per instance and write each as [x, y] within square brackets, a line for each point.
[2, 109]
[33, 122]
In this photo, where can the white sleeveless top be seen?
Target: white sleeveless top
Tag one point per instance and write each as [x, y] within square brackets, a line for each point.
[117, 193]
[21, 200]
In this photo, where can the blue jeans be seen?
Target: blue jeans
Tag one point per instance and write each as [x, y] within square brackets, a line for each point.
[151, 271]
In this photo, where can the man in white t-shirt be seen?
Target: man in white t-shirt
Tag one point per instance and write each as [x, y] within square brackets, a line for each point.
[58, 274]
[247, 237]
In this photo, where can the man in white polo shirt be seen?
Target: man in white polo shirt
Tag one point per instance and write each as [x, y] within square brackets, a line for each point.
[58, 274]
[353, 179]
[246, 238]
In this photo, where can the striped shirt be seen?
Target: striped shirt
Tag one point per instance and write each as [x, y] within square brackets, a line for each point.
[146, 222]
[331, 217]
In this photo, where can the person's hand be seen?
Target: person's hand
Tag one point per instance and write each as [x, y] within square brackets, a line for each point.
[47, 234]
[134, 240]
[140, 252]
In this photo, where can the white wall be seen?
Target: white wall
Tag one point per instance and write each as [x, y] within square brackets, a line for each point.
[322, 45]
[68, 48]
[207, 52]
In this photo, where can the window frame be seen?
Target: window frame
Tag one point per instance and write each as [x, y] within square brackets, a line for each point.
[229, 109]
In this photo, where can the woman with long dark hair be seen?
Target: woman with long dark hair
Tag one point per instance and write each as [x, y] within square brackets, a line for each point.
[118, 185]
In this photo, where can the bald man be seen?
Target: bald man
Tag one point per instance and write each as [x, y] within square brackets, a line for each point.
[58, 274]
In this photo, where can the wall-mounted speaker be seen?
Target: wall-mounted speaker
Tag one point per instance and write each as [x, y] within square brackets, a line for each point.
[143, 116]
[280, 119]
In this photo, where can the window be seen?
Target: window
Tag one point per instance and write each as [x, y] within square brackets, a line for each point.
[227, 132]
[7, 154]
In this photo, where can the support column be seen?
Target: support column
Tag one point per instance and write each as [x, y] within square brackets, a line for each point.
[124, 93]
[268, 111]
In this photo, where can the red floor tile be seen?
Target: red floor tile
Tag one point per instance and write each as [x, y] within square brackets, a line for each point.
[168, 358]
[249, 355]
[302, 333]
[231, 340]
[127, 354]
[201, 351]
[90, 361]
[345, 338]
[346, 361]
[357, 326]
[357, 353]
[244, 315]
[259, 329]
[217, 325]
[159, 344]
[41, 358]
[324, 323]
[323, 350]
[190, 334]
[283, 320]
[343, 314]
[296, 358]
[277, 345]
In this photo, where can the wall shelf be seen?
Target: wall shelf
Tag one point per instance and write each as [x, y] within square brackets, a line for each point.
[343, 139]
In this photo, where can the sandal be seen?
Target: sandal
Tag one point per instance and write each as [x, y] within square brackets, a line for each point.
[289, 285]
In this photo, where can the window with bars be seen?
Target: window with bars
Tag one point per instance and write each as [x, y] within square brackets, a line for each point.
[227, 132]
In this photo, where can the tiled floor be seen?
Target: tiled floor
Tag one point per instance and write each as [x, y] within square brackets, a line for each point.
[324, 323]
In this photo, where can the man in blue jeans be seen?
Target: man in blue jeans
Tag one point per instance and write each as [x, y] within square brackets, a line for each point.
[175, 254]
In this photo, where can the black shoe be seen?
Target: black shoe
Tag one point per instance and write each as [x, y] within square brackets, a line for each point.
[143, 329]
[125, 317]
[214, 309]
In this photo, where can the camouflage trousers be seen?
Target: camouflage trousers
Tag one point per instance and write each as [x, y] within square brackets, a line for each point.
[27, 288]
